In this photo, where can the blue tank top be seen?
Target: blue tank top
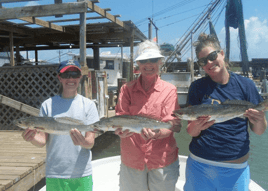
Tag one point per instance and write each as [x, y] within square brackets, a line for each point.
[228, 140]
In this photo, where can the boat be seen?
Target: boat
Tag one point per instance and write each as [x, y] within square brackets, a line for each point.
[166, 47]
[106, 175]
[112, 64]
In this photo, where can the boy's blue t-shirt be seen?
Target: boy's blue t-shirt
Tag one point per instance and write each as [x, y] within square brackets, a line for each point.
[64, 159]
[228, 140]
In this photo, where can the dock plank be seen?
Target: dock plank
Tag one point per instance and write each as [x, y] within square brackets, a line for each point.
[22, 165]
[28, 181]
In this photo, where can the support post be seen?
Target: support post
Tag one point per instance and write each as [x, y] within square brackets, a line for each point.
[36, 56]
[12, 61]
[83, 40]
[96, 54]
[150, 29]
[131, 54]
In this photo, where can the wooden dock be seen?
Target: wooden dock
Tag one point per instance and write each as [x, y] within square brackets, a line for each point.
[22, 165]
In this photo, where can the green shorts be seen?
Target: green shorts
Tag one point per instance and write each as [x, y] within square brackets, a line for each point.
[71, 184]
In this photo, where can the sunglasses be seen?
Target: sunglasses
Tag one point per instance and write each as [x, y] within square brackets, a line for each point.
[152, 60]
[68, 75]
[212, 56]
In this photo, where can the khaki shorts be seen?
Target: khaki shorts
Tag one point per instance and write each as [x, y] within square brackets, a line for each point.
[161, 179]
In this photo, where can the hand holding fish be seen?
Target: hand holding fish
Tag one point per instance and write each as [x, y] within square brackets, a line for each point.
[29, 134]
[150, 134]
[176, 125]
[35, 136]
[257, 119]
[195, 127]
[84, 141]
[123, 134]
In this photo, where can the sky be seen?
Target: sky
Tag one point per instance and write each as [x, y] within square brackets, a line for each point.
[173, 19]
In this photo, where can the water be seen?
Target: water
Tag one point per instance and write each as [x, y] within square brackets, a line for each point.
[109, 145]
[258, 159]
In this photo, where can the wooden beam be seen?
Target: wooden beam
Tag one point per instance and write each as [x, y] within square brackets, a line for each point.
[19, 105]
[104, 13]
[69, 20]
[43, 23]
[43, 10]
[14, 29]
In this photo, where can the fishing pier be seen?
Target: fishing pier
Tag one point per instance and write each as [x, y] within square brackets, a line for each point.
[25, 85]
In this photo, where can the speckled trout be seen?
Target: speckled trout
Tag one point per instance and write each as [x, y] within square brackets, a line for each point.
[219, 112]
[62, 125]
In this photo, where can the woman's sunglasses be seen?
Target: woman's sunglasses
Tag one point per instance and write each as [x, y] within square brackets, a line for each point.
[212, 56]
[68, 75]
[152, 60]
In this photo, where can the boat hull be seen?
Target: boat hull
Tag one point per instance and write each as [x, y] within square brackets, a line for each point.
[106, 175]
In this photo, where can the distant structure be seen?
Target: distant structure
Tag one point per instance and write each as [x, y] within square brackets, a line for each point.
[4, 58]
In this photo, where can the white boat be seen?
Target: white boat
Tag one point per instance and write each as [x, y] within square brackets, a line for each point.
[111, 63]
[106, 175]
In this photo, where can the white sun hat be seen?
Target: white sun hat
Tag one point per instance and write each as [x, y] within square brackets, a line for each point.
[147, 50]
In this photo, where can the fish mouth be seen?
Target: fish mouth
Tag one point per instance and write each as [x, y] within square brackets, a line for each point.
[18, 123]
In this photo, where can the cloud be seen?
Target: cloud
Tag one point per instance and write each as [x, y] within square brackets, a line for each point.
[256, 35]
[32, 3]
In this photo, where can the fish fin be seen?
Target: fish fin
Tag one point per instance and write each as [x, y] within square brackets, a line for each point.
[69, 120]
[237, 102]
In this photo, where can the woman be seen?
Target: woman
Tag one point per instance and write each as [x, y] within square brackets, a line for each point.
[150, 159]
[219, 152]
[68, 161]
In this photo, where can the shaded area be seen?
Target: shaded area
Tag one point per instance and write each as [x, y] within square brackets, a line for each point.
[106, 145]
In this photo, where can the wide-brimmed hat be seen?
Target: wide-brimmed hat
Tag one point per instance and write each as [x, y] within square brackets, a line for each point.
[68, 64]
[147, 50]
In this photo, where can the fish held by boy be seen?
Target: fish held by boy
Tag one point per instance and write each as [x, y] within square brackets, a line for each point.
[219, 112]
[62, 125]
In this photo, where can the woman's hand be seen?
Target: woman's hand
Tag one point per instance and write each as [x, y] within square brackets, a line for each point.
[84, 141]
[29, 134]
[147, 134]
[176, 125]
[123, 134]
[258, 123]
[35, 136]
[195, 127]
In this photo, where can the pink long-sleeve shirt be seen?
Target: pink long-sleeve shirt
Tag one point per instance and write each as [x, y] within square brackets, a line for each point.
[159, 102]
